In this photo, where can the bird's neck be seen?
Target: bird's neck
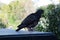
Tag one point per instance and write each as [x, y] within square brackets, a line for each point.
[38, 15]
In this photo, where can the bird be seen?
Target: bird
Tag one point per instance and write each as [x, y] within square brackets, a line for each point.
[31, 20]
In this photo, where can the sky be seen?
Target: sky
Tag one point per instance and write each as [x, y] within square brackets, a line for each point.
[6, 1]
[37, 3]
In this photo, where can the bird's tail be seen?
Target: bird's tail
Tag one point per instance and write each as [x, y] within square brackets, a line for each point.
[17, 29]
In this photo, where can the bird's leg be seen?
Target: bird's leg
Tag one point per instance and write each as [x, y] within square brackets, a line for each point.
[26, 29]
[30, 29]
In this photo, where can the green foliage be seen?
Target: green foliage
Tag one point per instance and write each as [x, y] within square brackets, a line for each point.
[52, 20]
[2, 25]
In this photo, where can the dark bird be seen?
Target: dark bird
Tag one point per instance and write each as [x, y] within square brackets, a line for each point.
[31, 20]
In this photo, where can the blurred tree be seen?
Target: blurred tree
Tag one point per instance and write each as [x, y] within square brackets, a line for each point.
[15, 12]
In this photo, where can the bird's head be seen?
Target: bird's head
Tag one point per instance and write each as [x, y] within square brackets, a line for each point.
[40, 11]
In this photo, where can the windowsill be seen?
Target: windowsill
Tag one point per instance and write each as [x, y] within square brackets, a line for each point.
[13, 32]
[7, 34]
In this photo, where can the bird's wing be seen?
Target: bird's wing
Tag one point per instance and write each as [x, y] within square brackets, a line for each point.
[29, 19]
